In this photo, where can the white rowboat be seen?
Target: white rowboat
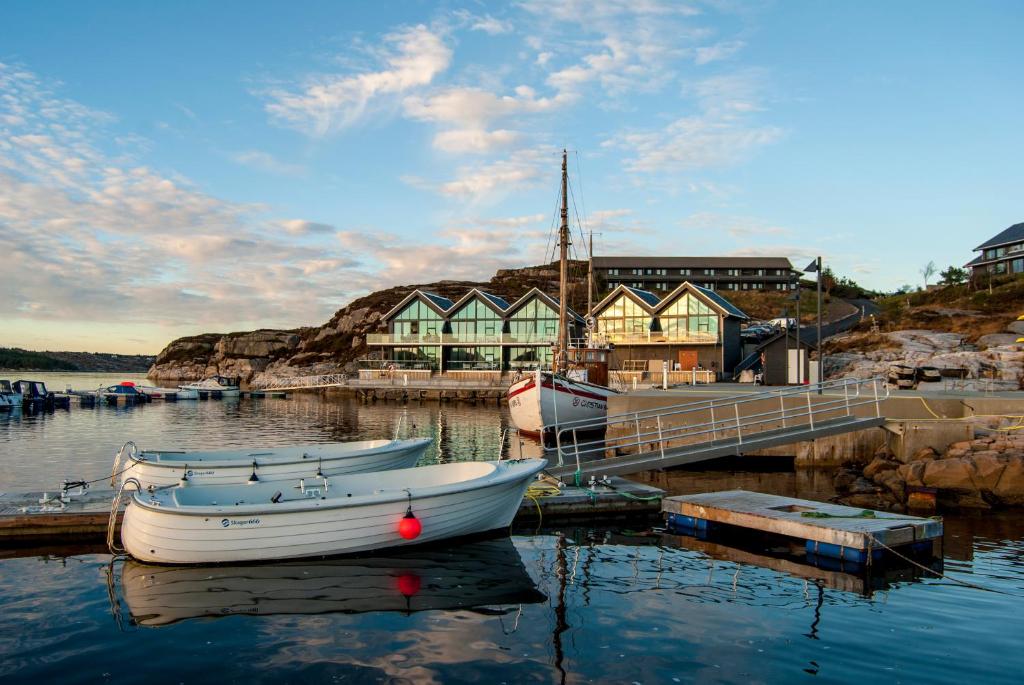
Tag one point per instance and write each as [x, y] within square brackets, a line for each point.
[160, 468]
[346, 515]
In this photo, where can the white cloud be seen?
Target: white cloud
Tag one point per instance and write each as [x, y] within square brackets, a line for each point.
[330, 102]
[718, 51]
[264, 161]
[522, 169]
[475, 140]
[303, 227]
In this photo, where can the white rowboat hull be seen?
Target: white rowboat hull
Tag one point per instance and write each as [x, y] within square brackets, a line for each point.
[220, 524]
[232, 467]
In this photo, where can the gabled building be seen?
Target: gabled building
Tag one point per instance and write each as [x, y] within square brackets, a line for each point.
[479, 332]
[692, 327]
[1003, 253]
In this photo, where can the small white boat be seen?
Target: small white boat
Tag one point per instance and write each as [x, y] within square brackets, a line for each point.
[122, 393]
[214, 386]
[9, 399]
[169, 394]
[160, 468]
[460, 577]
[545, 400]
[350, 514]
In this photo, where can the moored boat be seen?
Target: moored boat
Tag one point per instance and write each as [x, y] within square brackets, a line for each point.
[123, 393]
[544, 399]
[167, 394]
[159, 468]
[350, 514]
[9, 399]
[213, 387]
[459, 577]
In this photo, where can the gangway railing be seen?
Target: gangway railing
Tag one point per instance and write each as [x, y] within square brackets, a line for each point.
[666, 431]
[297, 382]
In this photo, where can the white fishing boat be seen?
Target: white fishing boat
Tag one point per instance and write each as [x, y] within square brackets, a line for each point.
[547, 400]
[9, 399]
[350, 514]
[160, 468]
[214, 386]
[460, 577]
[574, 390]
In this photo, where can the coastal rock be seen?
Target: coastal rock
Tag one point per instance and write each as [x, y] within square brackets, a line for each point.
[877, 466]
[263, 343]
[1016, 327]
[912, 473]
[948, 474]
[997, 339]
[1010, 486]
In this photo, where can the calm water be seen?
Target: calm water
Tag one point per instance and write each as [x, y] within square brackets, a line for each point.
[566, 605]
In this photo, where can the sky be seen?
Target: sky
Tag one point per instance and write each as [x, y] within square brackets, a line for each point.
[168, 169]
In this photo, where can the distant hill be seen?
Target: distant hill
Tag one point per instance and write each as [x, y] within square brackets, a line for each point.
[17, 359]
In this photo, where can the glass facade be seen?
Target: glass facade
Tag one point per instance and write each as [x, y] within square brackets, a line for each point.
[417, 321]
[624, 318]
[476, 319]
[530, 357]
[476, 358]
[687, 318]
[534, 321]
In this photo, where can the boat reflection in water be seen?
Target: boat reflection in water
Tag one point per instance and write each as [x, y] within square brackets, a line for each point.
[475, 576]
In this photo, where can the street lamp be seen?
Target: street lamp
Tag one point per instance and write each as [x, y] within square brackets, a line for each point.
[815, 267]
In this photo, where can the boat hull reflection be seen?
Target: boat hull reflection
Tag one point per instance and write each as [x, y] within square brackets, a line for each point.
[468, 576]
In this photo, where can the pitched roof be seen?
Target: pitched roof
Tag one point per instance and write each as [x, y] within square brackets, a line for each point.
[645, 295]
[499, 302]
[442, 302]
[729, 307]
[439, 304]
[1012, 234]
[496, 303]
[710, 296]
[694, 262]
[645, 299]
[537, 292]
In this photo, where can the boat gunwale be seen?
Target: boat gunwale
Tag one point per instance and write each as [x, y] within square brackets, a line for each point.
[243, 461]
[385, 497]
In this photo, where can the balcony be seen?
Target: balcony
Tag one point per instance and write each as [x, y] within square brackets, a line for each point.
[461, 339]
[659, 338]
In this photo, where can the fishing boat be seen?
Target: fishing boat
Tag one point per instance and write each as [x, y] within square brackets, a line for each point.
[159, 468]
[351, 514]
[214, 386]
[461, 577]
[576, 387]
[9, 399]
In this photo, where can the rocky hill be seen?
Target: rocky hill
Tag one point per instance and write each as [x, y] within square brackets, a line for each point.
[335, 345]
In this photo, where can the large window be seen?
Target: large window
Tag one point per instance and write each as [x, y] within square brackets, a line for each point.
[476, 321]
[530, 357]
[475, 358]
[415, 357]
[689, 318]
[624, 318]
[417, 321]
[1017, 266]
[534, 322]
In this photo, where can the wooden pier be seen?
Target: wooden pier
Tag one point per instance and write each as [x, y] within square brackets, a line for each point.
[25, 519]
[827, 530]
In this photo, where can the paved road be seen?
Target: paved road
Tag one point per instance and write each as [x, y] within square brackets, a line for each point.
[809, 334]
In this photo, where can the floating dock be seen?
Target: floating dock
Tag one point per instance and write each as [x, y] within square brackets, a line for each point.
[40, 517]
[827, 530]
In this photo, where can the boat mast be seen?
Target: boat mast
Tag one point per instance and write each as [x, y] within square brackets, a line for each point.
[590, 275]
[562, 357]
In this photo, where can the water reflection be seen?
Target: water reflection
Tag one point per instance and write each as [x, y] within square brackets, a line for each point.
[472, 576]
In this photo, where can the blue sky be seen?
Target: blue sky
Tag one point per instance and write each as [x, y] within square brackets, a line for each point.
[175, 168]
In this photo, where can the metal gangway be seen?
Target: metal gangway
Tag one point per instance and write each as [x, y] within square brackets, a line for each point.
[707, 429]
[330, 380]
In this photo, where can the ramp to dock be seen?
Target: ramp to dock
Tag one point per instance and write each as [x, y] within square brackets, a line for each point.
[731, 426]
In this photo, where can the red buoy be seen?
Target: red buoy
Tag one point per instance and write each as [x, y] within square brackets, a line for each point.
[410, 527]
[409, 584]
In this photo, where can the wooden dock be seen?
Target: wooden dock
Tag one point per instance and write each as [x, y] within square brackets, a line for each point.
[23, 518]
[828, 530]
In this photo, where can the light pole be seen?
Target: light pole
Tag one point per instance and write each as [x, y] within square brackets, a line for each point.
[815, 266]
[799, 366]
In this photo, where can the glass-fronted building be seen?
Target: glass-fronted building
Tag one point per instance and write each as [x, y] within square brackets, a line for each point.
[479, 332]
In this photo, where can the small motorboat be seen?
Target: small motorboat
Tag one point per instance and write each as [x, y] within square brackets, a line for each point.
[461, 577]
[123, 393]
[167, 394]
[159, 468]
[35, 395]
[350, 514]
[213, 387]
[9, 399]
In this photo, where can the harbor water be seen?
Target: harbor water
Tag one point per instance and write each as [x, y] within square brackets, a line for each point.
[580, 603]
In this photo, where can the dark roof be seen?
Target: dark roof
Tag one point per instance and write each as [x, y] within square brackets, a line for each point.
[645, 295]
[1013, 234]
[729, 308]
[980, 259]
[442, 302]
[498, 302]
[693, 262]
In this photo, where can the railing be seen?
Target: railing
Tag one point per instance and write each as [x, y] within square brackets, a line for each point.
[403, 339]
[655, 337]
[326, 380]
[461, 338]
[718, 420]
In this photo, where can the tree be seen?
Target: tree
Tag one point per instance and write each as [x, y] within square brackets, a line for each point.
[927, 272]
[954, 275]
